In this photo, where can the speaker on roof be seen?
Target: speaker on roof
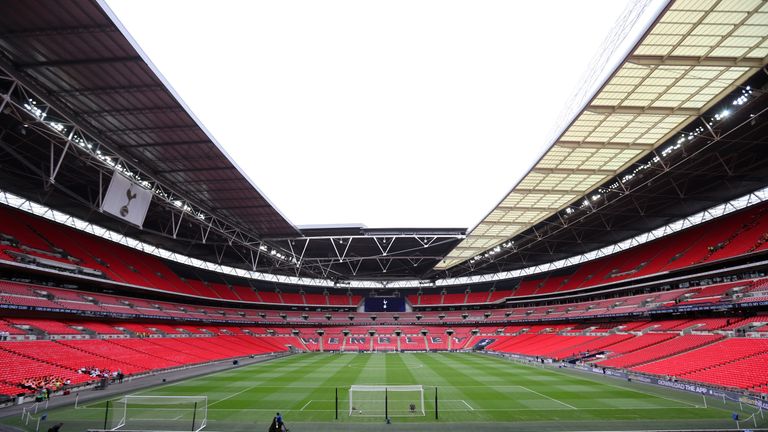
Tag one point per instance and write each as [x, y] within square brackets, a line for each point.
[126, 200]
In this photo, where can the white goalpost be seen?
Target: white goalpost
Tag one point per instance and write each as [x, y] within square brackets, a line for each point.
[158, 413]
[387, 401]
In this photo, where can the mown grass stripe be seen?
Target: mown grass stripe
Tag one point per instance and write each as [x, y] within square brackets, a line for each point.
[486, 361]
[343, 373]
[473, 388]
[397, 372]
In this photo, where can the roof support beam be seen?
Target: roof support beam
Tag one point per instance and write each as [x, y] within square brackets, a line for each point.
[145, 131]
[603, 145]
[58, 31]
[211, 181]
[547, 191]
[418, 236]
[568, 171]
[190, 170]
[526, 209]
[167, 144]
[141, 111]
[217, 190]
[662, 111]
[502, 238]
[341, 258]
[648, 60]
[244, 206]
[111, 90]
[80, 62]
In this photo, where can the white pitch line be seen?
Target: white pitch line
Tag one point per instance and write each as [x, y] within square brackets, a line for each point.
[653, 394]
[238, 393]
[306, 405]
[221, 372]
[233, 395]
[584, 378]
[468, 405]
[152, 419]
[462, 409]
[550, 398]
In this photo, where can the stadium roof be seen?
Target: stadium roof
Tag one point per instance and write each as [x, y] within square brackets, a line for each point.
[79, 59]
[70, 60]
[696, 52]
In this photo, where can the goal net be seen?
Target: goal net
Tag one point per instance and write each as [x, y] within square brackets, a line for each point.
[389, 401]
[158, 413]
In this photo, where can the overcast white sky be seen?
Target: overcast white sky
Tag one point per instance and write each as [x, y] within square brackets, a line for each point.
[398, 113]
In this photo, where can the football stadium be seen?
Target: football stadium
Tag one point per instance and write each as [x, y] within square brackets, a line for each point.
[147, 283]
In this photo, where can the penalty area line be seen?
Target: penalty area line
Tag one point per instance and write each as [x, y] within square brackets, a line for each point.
[306, 405]
[550, 398]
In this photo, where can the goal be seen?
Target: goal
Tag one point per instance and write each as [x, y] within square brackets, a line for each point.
[158, 413]
[387, 401]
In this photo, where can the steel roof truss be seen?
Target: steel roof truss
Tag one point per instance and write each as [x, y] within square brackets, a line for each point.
[657, 60]
[384, 252]
[342, 255]
[32, 110]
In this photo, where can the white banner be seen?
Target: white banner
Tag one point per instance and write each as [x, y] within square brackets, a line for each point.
[126, 200]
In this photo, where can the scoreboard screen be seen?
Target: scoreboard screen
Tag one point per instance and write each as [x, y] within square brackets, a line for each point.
[384, 304]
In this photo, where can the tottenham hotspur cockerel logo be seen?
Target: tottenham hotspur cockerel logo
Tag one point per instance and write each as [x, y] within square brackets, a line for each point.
[131, 196]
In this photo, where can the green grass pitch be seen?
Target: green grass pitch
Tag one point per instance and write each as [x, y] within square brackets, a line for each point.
[485, 392]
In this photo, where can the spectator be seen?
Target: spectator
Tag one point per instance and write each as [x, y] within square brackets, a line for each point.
[47, 382]
[56, 427]
[280, 425]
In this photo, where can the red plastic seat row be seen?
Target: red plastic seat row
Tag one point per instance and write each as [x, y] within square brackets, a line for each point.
[720, 353]
[661, 350]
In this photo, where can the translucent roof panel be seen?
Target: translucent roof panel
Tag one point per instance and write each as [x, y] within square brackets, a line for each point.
[697, 51]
